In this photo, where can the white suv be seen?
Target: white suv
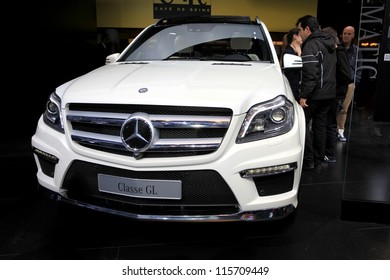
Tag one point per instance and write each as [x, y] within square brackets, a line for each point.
[193, 121]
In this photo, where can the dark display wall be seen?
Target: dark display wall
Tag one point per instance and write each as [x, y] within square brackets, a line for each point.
[382, 93]
[339, 13]
[45, 43]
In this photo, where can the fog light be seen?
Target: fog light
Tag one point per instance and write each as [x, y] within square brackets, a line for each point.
[269, 170]
[45, 155]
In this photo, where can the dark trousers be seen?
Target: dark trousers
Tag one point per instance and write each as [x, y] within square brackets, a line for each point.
[331, 129]
[316, 117]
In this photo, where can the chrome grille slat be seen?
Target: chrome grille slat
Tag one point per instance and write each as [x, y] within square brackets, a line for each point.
[179, 145]
[101, 130]
[160, 121]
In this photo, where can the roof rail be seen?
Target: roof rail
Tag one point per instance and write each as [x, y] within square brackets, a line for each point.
[194, 19]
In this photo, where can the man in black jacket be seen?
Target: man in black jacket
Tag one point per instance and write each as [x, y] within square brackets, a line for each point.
[343, 80]
[318, 88]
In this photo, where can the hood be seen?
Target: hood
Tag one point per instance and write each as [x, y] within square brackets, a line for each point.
[179, 83]
[326, 39]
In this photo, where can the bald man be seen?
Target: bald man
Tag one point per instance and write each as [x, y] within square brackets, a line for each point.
[347, 38]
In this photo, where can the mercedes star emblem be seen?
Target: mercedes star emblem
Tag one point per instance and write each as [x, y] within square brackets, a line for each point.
[137, 133]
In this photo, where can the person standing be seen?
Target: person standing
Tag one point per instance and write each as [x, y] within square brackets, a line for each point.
[108, 44]
[318, 87]
[343, 79]
[102, 51]
[347, 38]
[293, 46]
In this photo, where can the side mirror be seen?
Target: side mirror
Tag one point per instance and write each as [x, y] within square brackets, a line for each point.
[292, 61]
[112, 58]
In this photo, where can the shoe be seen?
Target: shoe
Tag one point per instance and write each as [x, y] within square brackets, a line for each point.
[341, 138]
[329, 159]
[340, 135]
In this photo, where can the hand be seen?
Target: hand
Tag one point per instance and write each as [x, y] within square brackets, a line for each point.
[302, 102]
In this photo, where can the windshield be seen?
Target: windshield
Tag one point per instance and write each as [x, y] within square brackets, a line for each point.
[201, 41]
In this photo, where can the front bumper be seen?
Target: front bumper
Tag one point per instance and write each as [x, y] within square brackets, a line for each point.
[247, 216]
[250, 199]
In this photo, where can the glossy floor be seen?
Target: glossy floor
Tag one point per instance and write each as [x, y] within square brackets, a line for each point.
[344, 213]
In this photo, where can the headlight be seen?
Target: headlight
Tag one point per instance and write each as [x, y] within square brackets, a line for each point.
[265, 120]
[52, 116]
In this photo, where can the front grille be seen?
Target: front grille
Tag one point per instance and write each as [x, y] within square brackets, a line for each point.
[202, 190]
[187, 131]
